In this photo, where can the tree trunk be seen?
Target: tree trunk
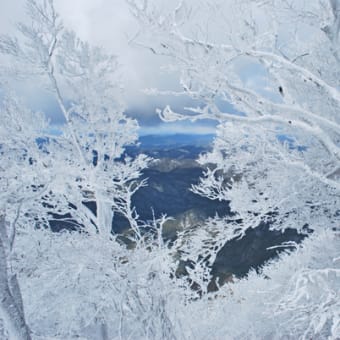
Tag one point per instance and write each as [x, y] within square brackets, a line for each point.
[104, 215]
[11, 307]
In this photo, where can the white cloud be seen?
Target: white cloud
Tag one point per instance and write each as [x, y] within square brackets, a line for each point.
[10, 13]
[107, 23]
[110, 24]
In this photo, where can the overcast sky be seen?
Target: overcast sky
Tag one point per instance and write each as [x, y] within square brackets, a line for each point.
[108, 23]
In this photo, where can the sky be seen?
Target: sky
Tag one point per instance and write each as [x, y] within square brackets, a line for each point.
[109, 23]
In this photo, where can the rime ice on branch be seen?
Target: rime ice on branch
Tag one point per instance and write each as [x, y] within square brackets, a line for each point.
[43, 174]
[85, 161]
[268, 72]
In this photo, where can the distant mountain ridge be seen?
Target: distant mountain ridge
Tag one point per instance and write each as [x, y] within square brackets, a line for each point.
[170, 148]
[171, 140]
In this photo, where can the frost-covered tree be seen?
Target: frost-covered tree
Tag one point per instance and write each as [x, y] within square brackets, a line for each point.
[22, 180]
[94, 288]
[268, 73]
[46, 175]
[296, 297]
[83, 156]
